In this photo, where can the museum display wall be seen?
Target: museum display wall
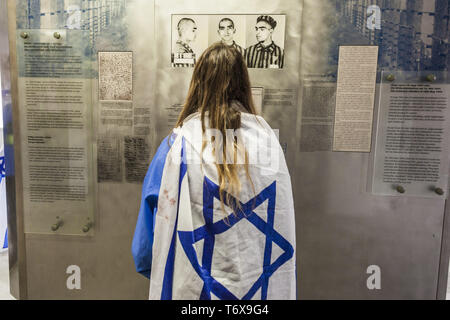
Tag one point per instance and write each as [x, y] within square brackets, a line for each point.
[358, 89]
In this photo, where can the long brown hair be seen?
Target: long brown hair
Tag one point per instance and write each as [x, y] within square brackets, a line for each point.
[220, 81]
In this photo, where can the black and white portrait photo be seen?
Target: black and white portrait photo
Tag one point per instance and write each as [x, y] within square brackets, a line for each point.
[189, 39]
[259, 38]
[230, 29]
[266, 35]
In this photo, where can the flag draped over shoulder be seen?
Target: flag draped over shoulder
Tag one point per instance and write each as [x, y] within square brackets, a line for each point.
[191, 246]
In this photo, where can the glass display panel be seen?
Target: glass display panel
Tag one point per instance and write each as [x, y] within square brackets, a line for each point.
[411, 156]
[55, 110]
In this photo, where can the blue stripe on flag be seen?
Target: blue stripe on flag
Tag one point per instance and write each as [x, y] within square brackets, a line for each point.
[208, 211]
[5, 243]
[166, 293]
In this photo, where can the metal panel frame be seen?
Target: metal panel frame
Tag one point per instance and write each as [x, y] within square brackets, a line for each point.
[17, 248]
[37, 260]
[404, 236]
[443, 275]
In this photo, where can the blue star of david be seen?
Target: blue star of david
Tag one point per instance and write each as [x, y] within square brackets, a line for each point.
[210, 229]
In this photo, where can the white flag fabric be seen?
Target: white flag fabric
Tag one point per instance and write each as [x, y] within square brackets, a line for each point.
[192, 247]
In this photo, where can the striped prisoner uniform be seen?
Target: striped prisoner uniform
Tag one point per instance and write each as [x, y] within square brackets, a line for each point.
[258, 56]
[183, 51]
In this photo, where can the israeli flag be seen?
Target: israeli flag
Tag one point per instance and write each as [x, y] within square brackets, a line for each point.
[192, 247]
[3, 217]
